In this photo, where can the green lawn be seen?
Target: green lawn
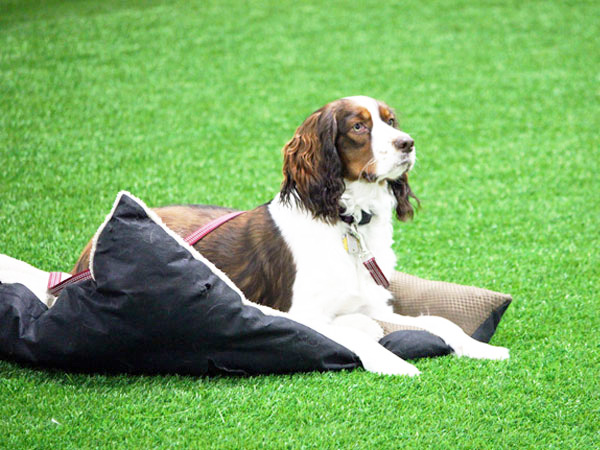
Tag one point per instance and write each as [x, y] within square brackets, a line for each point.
[191, 102]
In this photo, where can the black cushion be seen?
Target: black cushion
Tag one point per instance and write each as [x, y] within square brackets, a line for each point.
[154, 308]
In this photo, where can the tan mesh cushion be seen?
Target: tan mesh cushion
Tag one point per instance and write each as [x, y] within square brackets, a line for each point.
[467, 306]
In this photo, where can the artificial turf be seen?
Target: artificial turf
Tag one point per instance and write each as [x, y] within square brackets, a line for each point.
[191, 102]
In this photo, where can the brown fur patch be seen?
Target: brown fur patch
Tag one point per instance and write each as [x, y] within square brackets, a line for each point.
[83, 262]
[183, 219]
[386, 113]
[312, 169]
[249, 249]
[355, 148]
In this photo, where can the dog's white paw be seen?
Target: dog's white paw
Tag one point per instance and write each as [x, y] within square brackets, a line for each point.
[388, 364]
[401, 368]
[481, 350]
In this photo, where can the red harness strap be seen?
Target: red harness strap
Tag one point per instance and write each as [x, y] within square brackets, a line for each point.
[55, 285]
[210, 227]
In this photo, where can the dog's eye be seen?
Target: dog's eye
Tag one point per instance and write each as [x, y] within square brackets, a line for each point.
[391, 121]
[358, 126]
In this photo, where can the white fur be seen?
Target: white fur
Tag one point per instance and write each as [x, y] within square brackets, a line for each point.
[332, 288]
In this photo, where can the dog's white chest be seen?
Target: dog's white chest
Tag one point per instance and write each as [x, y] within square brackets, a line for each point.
[331, 279]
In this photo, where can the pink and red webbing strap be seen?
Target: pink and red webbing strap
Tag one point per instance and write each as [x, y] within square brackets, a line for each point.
[56, 284]
[210, 227]
[376, 272]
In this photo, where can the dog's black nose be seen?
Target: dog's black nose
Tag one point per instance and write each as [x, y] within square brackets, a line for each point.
[404, 144]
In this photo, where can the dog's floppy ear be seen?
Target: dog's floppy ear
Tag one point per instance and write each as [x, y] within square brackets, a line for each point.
[403, 194]
[312, 168]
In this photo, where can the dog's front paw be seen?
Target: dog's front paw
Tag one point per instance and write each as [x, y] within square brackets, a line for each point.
[401, 368]
[385, 364]
[480, 350]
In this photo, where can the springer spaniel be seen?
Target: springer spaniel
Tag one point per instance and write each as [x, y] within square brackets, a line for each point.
[304, 253]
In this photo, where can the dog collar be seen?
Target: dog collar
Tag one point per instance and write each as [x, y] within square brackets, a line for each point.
[365, 218]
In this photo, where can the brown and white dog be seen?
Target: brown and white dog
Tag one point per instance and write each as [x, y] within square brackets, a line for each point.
[346, 167]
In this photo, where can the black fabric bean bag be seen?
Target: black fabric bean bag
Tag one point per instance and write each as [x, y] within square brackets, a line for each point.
[153, 307]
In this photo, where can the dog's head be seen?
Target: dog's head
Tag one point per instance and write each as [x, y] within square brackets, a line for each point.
[354, 138]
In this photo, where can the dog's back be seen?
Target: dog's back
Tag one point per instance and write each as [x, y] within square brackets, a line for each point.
[248, 249]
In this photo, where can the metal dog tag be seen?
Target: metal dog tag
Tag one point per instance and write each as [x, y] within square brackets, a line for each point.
[352, 244]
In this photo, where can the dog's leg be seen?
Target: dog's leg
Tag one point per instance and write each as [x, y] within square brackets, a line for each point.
[360, 322]
[374, 357]
[15, 271]
[461, 343]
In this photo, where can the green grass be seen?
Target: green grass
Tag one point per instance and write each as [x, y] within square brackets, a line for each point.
[191, 102]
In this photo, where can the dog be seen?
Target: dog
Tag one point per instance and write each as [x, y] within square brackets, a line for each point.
[305, 253]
